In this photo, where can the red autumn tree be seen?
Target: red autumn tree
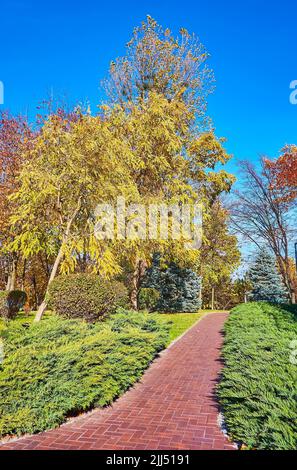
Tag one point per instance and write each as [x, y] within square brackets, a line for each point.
[284, 171]
[15, 134]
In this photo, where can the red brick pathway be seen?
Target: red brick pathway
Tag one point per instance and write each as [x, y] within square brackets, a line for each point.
[173, 407]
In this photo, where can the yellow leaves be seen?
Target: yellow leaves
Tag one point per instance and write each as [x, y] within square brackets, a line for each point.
[104, 257]
[220, 253]
[147, 156]
[107, 264]
[208, 150]
[27, 242]
[205, 153]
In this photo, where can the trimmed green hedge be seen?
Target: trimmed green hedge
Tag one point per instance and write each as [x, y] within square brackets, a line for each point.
[58, 368]
[86, 296]
[258, 390]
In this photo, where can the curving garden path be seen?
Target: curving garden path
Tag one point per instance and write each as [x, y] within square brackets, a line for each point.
[173, 407]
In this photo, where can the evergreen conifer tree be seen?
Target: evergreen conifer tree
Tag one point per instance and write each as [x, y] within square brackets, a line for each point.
[266, 281]
[178, 287]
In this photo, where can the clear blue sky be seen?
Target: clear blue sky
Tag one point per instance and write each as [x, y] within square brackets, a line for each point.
[67, 46]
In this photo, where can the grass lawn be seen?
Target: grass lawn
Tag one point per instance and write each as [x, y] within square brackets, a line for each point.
[258, 391]
[179, 323]
[58, 368]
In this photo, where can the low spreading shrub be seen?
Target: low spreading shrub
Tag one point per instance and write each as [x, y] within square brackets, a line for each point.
[148, 298]
[59, 367]
[86, 296]
[11, 302]
[258, 390]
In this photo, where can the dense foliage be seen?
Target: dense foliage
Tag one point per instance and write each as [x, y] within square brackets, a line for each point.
[284, 171]
[86, 296]
[58, 367]
[258, 391]
[151, 144]
[179, 288]
[220, 257]
[11, 302]
[148, 298]
[266, 281]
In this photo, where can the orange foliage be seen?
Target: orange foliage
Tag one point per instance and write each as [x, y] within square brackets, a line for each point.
[14, 135]
[284, 172]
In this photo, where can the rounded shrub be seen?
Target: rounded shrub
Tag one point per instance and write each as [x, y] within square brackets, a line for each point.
[148, 298]
[86, 296]
[11, 302]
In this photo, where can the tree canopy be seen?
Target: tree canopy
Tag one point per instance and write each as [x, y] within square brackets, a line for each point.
[151, 144]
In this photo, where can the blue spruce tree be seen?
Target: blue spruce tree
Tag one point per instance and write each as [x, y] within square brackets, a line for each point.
[266, 281]
[178, 287]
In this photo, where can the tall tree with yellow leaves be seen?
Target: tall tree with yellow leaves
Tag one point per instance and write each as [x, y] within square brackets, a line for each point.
[73, 166]
[162, 84]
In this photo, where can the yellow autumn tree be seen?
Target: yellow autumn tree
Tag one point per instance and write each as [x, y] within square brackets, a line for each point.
[162, 75]
[174, 165]
[151, 145]
[72, 167]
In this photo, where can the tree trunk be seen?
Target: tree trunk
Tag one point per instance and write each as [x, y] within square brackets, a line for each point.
[212, 298]
[139, 269]
[134, 286]
[43, 305]
[134, 295]
[54, 271]
[200, 294]
[11, 282]
[24, 274]
[287, 277]
[35, 292]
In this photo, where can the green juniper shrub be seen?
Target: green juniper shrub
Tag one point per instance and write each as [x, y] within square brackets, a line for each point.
[148, 322]
[59, 367]
[86, 296]
[11, 302]
[258, 390]
[148, 298]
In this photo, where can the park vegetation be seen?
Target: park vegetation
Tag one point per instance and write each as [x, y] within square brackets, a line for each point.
[151, 142]
[264, 214]
[58, 368]
[258, 387]
[101, 306]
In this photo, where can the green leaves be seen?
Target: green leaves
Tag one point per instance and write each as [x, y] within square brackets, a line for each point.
[58, 368]
[258, 390]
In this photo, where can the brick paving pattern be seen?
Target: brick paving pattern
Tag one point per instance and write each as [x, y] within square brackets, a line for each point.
[173, 407]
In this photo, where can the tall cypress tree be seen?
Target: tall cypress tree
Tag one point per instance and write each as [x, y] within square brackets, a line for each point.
[266, 281]
[178, 287]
